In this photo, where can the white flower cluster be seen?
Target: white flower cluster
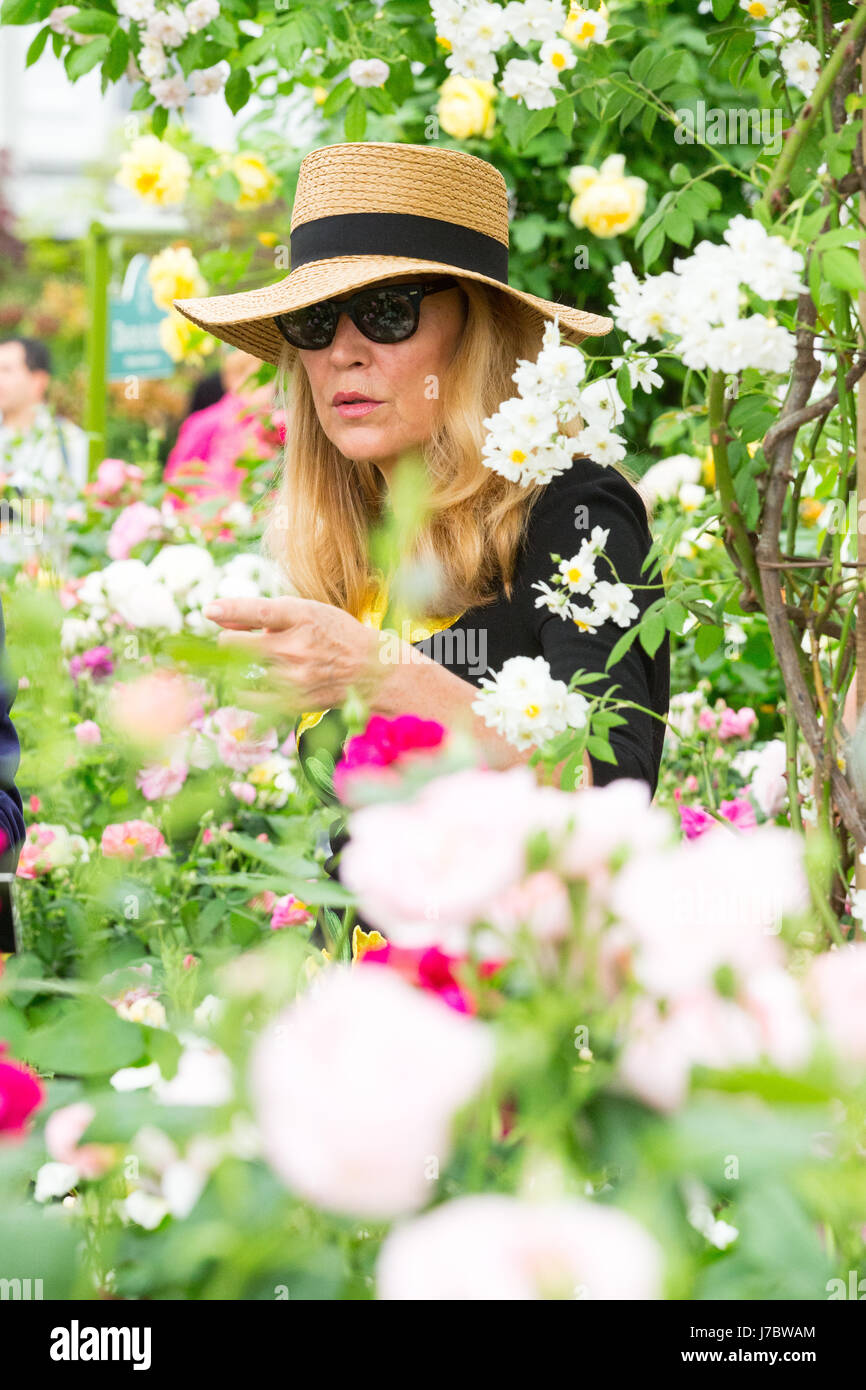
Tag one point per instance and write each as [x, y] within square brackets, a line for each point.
[163, 30]
[524, 442]
[475, 30]
[524, 703]
[799, 59]
[170, 593]
[577, 576]
[700, 300]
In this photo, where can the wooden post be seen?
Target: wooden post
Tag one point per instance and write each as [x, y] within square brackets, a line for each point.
[860, 639]
[96, 262]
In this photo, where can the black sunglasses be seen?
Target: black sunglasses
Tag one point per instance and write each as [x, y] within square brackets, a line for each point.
[383, 313]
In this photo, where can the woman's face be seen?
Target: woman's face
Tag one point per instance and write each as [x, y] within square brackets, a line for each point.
[401, 382]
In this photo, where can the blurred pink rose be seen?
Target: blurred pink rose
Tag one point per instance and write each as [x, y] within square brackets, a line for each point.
[244, 791]
[355, 1086]
[136, 523]
[239, 744]
[494, 1247]
[384, 742]
[88, 732]
[289, 911]
[64, 1128]
[836, 988]
[156, 707]
[133, 839]
[162, 779]
[706, 903]
[736, 723]
[115, 481]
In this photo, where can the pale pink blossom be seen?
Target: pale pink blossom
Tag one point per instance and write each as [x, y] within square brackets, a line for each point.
[63, 1130]
[88, 732]
[244, 791]
[426, 868]
[136, 523]
[133, 839]
[240, 744]
[156, 707]
[836, 987]
[494, 1247]
[355, 1088]
[769, 784]
[163, 779]
[718, 900]
[736, 723]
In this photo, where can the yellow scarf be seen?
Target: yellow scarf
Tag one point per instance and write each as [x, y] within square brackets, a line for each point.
[374, 611]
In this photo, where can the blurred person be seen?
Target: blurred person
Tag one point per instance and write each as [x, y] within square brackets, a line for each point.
[210, 441]
[39, 450]
[11, 806]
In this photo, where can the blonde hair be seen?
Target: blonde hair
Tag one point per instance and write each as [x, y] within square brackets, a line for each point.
[324, 504]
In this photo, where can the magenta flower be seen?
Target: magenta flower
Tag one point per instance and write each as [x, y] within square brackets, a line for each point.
[740, 812]
[383, 742]
[99, 661]
[289, 912]
[21, 1092]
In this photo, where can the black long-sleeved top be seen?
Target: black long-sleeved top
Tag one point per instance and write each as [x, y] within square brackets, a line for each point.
[566, 513]
[11, 808]
[570, 507]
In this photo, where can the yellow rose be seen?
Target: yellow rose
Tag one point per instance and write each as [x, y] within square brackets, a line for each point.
[466, 107]
[810, 509]
[174, 274]
[256, 180]
[606, 201]
[154, 170]
[183, 340]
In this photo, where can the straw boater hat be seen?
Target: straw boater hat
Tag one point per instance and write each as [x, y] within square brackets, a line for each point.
[374, 211]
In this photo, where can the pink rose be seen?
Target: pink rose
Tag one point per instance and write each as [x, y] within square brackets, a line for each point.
[136, 523]
[289, 912]
[133, 839]
[162, 779]
[737, 723]
[64, 1128]
[244, 791]
[740, 812]
[88, 732]
[383, 742]
[239, 745]
[21, 1092]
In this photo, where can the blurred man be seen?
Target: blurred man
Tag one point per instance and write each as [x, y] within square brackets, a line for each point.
[39, 451]
[11, 808]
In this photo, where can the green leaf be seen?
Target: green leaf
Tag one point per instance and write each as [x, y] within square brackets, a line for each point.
[679, 174]
[652, 633]
[528, 232]
[118, 56]
[674, 617]
[88, 1039]
[238, 89]
[565, 115]
[92, 22]
[80, 60]
[842, 269]
[159, 120]
[355, 120]
[337, 97]
[652, 247]
[623, 384]
[36, 47]
[708, 638]
[679, 227]
[537, 122]
[722, 8]
[142, 99]
[18, 12]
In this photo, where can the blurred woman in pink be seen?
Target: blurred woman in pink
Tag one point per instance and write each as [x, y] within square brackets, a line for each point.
[242, 424]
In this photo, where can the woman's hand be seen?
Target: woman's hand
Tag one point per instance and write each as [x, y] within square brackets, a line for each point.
[312, 651]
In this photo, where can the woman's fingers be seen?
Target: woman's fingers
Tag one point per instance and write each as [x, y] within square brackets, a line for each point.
[272, 614]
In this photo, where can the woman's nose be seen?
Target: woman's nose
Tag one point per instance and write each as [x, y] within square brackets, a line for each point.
[349, 345]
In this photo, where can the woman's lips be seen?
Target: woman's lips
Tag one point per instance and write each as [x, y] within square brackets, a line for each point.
[353, 410]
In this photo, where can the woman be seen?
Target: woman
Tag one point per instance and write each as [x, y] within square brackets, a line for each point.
[11, 807]
[400, 333]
